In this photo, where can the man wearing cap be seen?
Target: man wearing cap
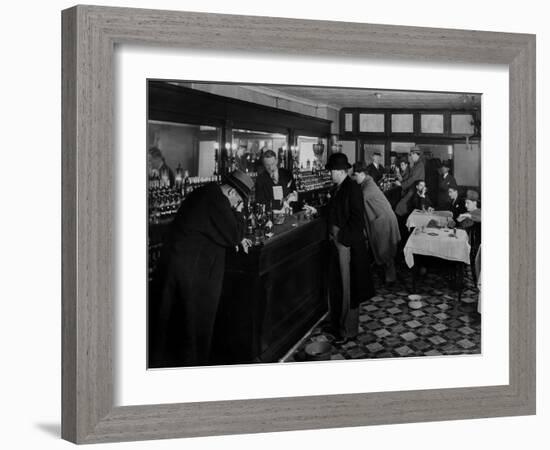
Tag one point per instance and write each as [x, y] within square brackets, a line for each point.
[350, 281]
[375, 169]
[473, 211]
[380, 222]
[408, 184]
[275, 186]
[445, 181]
[183, 312]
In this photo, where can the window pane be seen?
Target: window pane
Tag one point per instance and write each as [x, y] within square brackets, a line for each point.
[431, 123]
[402, 123]
[371, 123]
[462, 124]
[348, 148]
[348, 119]
[371, 149]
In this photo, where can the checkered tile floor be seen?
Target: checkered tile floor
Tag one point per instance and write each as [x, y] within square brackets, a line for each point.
[389, 328]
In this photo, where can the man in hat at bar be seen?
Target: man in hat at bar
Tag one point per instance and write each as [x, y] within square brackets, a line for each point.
[445, 181]
[408, 185]
[375, 169]
[183, 312]
[350, 281]
[380, 222]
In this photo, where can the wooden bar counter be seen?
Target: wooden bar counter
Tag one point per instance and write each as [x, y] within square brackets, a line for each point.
[274, 294]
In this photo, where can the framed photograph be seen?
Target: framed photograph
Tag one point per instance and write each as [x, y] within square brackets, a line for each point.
[264, 230]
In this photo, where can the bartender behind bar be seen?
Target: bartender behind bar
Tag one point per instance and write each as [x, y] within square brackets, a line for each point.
[275, 186]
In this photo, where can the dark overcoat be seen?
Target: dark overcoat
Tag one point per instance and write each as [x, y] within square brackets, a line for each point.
[184, 304]
[345, 211]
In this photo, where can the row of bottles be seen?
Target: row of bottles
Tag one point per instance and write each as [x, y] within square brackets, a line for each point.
[313, 180]
[387, 182]
[163, 204]
[259, 222]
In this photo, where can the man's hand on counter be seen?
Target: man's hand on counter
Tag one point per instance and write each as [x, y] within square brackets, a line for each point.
[310, 210]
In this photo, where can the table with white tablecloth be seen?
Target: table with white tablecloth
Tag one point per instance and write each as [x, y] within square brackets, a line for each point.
[419, 218]
[440, 243]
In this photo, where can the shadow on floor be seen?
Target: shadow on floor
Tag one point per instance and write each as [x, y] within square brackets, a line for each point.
[53, 429]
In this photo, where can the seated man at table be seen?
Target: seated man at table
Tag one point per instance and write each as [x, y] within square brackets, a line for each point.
[473, 212]
[456, 203]
[275, 186]
[419, 199]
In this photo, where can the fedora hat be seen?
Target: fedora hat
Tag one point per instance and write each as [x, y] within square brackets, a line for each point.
[416, 149]
[338, 161]
[240, 181]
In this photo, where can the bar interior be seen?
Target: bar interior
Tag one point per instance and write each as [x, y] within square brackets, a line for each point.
[273, 303]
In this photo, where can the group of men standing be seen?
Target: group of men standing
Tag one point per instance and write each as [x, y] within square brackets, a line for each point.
[361, 220]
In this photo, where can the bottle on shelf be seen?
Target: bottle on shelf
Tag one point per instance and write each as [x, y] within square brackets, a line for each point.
[178, 180]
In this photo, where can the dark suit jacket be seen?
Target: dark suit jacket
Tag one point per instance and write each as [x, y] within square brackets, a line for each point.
[345, 210]
[457, 207]
[264, 187]
[375, 173]
[418, 202]
[444, 184]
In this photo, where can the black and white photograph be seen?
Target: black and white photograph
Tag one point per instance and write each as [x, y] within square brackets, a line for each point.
[291, 224]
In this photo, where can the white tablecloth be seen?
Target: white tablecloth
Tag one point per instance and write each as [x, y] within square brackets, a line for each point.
[438, 243]
[419, 218]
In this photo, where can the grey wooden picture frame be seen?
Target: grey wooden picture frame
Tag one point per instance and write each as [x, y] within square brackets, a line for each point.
[90, 34]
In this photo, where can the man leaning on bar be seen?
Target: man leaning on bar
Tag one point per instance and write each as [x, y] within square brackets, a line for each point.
[208, 222]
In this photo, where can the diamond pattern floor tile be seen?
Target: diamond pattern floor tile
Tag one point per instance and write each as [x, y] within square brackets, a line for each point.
[389, 328]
